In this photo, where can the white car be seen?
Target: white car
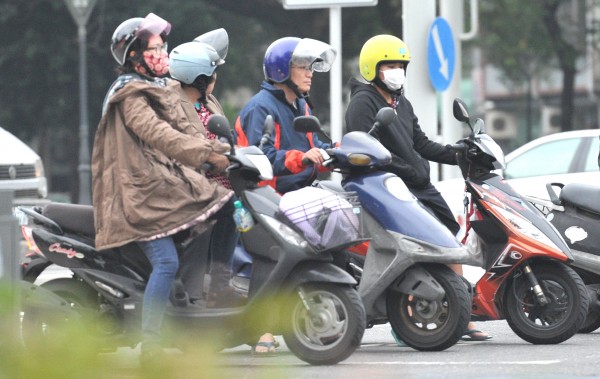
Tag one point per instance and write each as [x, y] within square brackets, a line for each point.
[21, 170]
[567, 157]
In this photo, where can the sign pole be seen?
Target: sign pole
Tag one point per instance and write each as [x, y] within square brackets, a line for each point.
[335, 78]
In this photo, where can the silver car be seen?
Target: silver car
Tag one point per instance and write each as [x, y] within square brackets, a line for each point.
[567, 157]
[21, 170]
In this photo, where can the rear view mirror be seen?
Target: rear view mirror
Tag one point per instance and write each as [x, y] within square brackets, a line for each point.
[385, 116]
[219, 125]
[268, 129]
[479, 127]
[459, 108]
[307, 124]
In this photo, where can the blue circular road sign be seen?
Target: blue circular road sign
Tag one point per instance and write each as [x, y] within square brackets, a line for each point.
[440, 54]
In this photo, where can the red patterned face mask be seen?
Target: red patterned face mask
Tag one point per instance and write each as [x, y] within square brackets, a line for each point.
[158, 64]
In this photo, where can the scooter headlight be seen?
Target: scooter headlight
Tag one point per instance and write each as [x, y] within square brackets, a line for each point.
[287, 233]
[524, 226]
[356, 159]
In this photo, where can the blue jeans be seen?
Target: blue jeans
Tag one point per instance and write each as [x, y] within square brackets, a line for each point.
[162, 255]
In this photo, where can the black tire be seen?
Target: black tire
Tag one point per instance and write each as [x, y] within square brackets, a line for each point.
[334, 329]
[592, 322]
[561, 318]
[39, 324]
[431, 325]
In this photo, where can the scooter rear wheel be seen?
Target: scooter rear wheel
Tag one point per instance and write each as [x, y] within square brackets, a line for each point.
[431, 325]
[552, 323]
[38, 326]
[330, 330]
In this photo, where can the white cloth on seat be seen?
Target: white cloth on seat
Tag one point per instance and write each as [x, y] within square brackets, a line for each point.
[325, 219]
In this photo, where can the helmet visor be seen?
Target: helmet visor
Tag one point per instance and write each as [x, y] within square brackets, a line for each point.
[218, 39]
[317, 54]
[152, 25]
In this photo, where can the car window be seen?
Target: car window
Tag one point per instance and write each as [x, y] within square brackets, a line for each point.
[550, 158]
[591, 163]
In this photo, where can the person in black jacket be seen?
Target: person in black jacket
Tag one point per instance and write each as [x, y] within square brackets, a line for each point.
[383, 61]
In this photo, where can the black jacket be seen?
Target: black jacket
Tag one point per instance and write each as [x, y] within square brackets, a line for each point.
[411, 149]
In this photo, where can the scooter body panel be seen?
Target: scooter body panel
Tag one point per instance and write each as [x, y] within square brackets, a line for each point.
[400, 215]
[506, 249]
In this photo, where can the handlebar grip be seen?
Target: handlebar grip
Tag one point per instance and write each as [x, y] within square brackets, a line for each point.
[459, 146]
[206, 166]
[306, 162]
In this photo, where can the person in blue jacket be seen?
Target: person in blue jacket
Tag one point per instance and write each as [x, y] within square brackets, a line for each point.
[296, 157]
[288, 67]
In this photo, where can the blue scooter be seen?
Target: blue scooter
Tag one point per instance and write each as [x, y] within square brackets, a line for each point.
[405, 279]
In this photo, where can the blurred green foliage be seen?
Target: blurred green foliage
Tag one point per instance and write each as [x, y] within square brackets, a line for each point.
[70, 351]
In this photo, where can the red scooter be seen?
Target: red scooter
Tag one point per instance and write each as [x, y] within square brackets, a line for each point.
[527, 279]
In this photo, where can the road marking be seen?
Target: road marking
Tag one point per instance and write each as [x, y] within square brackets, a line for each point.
[458, 363]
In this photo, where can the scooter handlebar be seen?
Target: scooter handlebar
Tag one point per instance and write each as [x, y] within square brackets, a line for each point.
[459, 146]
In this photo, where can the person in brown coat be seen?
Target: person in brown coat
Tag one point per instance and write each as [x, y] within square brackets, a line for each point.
[145, 187]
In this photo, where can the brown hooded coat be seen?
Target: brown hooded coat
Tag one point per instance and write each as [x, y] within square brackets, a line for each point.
[143, 179]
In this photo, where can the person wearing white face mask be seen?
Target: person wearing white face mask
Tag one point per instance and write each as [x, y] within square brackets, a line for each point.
[383, 62]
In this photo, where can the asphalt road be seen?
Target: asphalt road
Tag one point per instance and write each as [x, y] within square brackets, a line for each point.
[504, 356]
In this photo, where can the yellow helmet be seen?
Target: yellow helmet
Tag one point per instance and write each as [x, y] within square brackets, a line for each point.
[381, 48]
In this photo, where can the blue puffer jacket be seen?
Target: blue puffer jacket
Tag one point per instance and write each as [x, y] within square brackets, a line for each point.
[286, 148]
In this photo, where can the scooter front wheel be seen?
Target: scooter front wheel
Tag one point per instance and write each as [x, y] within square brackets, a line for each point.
[556, 321]
[324, 323]
[431, 325]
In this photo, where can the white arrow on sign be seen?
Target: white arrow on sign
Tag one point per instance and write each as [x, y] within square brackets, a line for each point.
[440, 52]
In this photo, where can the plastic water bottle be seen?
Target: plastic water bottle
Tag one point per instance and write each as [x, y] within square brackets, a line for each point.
[243, 218]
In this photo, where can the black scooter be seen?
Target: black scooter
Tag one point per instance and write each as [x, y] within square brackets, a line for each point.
[575, 213]
[294, 288]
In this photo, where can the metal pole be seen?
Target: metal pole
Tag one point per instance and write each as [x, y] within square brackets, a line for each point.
[9, 260]
[335, 39]
[452, 10]
[417, 18]
[84, 150]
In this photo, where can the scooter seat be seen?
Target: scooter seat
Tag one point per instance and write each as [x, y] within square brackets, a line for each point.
[74, 218]
[584, 196]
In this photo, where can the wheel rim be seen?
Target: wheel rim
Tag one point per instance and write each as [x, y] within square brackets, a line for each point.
[424, 315]
[547, 315]
[324, 326]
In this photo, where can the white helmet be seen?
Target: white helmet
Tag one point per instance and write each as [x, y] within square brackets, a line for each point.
[191, 59]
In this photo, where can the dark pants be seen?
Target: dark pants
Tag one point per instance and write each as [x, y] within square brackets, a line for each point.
[433, 200]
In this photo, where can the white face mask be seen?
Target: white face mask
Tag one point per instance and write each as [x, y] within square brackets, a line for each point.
[394, 79]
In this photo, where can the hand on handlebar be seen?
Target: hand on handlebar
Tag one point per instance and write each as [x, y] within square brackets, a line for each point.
[315, 155]
[219, 162]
